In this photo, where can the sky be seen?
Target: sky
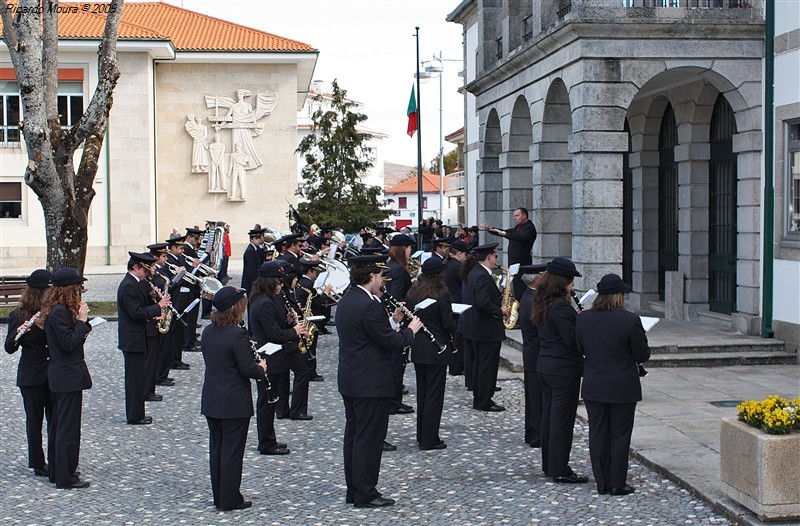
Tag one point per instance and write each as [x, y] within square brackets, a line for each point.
[369, 47]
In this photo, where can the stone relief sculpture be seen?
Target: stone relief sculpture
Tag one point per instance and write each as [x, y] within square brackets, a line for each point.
[199, 133]
[216, 175]
[239, 163]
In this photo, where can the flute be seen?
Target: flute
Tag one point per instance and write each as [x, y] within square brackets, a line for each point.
[398, 305]
[26, 327]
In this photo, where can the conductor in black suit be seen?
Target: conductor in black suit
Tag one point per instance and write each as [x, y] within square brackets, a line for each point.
[520, 243]
[227, 401]
[134, 311]
[613, 342]
[65, 324]
[482, 327]
[530, 355]
[367, 342]
[32, 368]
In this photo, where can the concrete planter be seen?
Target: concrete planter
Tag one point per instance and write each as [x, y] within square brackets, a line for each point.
[760, 471]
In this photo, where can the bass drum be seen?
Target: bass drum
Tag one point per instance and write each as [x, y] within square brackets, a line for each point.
[210, 286]
[337, 275]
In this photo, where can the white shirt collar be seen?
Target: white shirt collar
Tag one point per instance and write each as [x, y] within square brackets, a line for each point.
[371, 295]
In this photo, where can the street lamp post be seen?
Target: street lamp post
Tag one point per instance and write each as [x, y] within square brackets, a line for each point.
[440, 70]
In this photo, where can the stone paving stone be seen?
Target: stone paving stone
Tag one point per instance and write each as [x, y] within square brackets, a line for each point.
[158, 474]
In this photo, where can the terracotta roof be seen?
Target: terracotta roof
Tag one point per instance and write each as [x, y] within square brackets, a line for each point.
[430, 184]
[188, 30]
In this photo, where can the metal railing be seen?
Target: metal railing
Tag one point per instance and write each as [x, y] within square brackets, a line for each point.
[455, 182]
[564, 10]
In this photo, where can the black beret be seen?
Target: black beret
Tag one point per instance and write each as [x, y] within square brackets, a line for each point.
[563, 267]
[460, 246]
[227, 297]
[433, 265]
[67, 276]
[402, 240]
[485, 249]
[271, 269]
[39, 279]
[611, 284]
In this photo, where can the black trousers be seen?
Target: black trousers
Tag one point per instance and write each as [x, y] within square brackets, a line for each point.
[366, 422]
[190, 330]
[398, 372]
[166, 350]
[298, 364]
[559, 406]
[38, 404]
[486, 360]
[265, 414]
[151, 365]
[135, 385]
[469, 362]
[430, 401]
[175, 337]
[610, 429]
[533, 407]
[226, 440]
[64, 454]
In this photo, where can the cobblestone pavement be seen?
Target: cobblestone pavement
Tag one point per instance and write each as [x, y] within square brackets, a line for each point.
[158, 474]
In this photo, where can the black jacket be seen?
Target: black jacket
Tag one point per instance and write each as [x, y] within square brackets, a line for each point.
[484, 321]
[452, 280]
[366, 345]
[293, 261]
[251, 260]
[67, 372]
[32, 368]
[230, 364]
[520, 243]
[134, 309]
[613, 342]
[400, 281]
[530, 333]
[438, 319]
[558, 350]
[268, 323]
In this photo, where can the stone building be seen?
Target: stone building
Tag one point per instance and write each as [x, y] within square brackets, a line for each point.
[185, 78]
[633, 130]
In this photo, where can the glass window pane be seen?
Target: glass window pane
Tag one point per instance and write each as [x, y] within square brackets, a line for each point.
[70, 88]
[10, 191]
[75, 108]
[9, 87]
[62, 109]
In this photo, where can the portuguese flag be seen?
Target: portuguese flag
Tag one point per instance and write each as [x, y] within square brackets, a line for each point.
[412, 113]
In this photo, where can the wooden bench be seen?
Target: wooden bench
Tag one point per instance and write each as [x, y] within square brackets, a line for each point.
[11, 288]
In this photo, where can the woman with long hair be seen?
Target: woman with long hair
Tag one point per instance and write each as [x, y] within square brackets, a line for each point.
[613, 343]
[430, 363]
[26, 331]
[560, 366]
[226, 399]
[65, 319]
[398, 286]
[466, 267]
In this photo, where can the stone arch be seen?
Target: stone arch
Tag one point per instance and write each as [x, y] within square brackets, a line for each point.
[552, 177]
[489, 175]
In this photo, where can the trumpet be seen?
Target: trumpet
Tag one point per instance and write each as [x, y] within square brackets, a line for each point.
[205, 269]
[188, 277]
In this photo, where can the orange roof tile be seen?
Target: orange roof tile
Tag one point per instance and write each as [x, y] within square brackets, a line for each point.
[188, 30]
[430, 184]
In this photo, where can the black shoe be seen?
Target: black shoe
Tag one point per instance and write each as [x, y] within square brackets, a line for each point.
[405, 392]
[165, 383]
[536, 443]
[497, 389]
[602, 490]
[205, 317]
[625, 490]
[301, 417]
[193, 348]
[571, 479]
[154, 398]
[440, 445]
[281, 445]
[180, 366]
[281, 417]
[275, 450]
[379, 502]
[494, 408]
[141, 422]
[241, 506]
[43, 471]
[318, 378]
[404, 409]
[324, 331]
[389, 447]
[78, 484]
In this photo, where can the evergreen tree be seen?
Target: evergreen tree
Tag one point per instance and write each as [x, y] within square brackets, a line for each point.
[336, 157]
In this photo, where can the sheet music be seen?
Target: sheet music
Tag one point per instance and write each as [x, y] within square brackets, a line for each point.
[424, 304]
[94, 322]
[648, 322]
[458, 308]
[270, 348]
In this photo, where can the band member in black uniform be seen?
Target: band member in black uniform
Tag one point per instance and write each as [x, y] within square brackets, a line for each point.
[613, 343]
[168, 341]
[269, 324]
[134, 311]
[367, 344]
[440, 246]
[398, 285]
[154, 356]
[452, 279]
[253, 258]
[65, 324]
[520, 243]
[482, 327]
[430, 363]
[25, 332]
[226, 401]
[181, 297]
[291, 253]
[530, 355]
[191, 262]
[319, 306]
[560, 367]
[379, 239]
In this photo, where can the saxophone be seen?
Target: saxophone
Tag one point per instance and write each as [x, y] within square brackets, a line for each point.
[306, 342]
[510, 321]
[166, 312]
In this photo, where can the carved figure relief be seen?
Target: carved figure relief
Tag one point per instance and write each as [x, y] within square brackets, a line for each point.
[199, 133]
[239, 163]
[216, 176]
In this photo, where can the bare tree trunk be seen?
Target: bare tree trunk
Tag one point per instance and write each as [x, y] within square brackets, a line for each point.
[65, 194]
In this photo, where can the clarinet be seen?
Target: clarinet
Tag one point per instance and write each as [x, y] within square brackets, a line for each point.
[257, 357]
[26, 327]
[397, 305]
[578, 304]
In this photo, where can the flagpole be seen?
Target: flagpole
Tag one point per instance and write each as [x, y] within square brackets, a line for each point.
[419, 152]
